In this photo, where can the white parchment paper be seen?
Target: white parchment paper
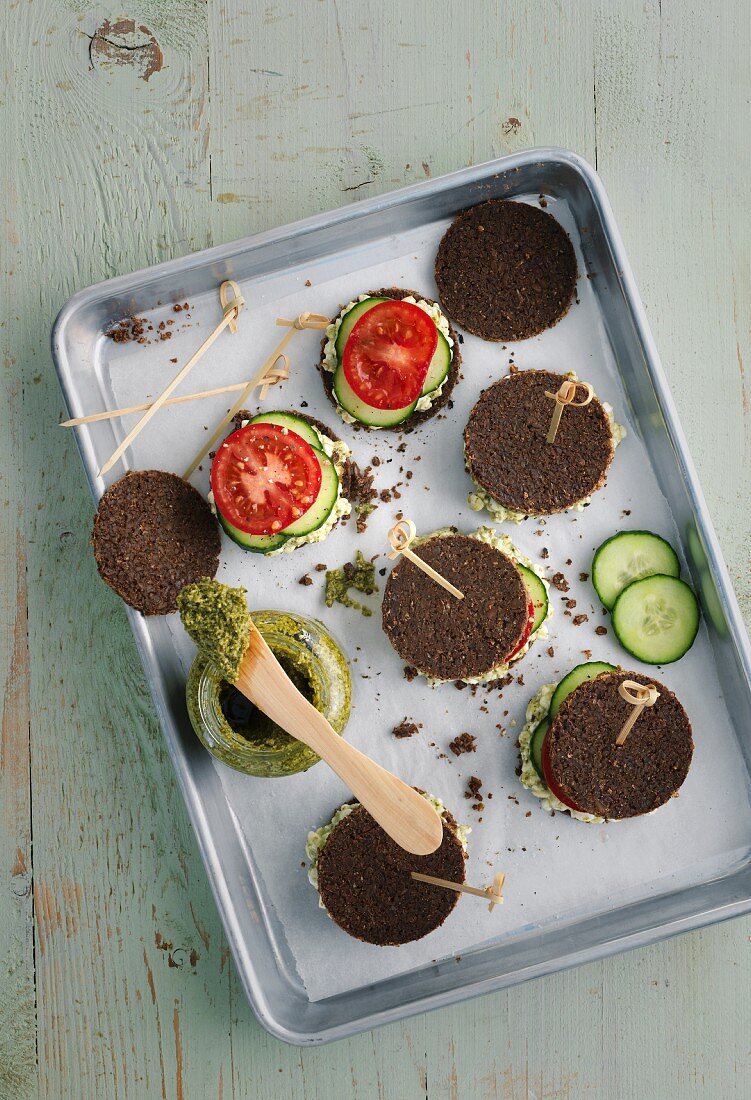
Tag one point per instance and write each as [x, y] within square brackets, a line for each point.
[557, 869]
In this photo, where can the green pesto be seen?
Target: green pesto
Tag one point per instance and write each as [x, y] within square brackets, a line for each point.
[235, 731]
[216, 617]
[360, 576]
[364, 508]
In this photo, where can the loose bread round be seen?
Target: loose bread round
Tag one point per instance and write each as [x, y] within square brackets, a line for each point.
[153, 534]
[505, 270]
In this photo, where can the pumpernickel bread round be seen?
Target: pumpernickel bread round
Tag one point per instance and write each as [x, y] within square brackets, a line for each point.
[617, 781]
[153, 534]
[505, 270]
[507, 453]
[398, 293]
[447, 638]
[365, 883]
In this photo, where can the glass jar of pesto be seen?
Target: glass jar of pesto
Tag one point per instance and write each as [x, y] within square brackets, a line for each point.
[239, 734]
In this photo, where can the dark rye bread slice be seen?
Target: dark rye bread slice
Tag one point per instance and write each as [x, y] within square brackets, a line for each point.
[447, 638]
[505, 270]
[351, 481]
[153, 534]
[506, 451]
[365, 883]
[452, 377]
[615, 781]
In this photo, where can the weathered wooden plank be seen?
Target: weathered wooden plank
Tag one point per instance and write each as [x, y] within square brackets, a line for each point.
[110, 157]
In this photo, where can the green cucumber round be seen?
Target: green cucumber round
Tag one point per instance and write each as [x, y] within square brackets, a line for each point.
[538, 595]
[350, 319]
[321, 508]
[630, 556]
[590, 670]
[292, 423]
[656, 619]
[439, 367]
[535, 746]
[361, 411]
[257, 544]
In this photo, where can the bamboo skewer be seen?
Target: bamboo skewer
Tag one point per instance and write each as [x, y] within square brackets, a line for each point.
[110, 414]
[565, 396]
[639, 696]
[400, 537]
[491, 893]
[305, 320]
[231, 308]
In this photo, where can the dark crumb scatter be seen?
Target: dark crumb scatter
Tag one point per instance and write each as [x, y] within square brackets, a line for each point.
[409, 673]
[570, 603]
[406, 728]
[375, 460]
[601, 630]
[321, 567]
[587, 654]
[579, 619]
[505, 680]
[626, 512]
[551, 651]
[307, 580]
[308, 282]
[385, 495]
[174, 359]
[463, 742]
[568, 561]
[544, 553]
[559, 581]
[584, 576]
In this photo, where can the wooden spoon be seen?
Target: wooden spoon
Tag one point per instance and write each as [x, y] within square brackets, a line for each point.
[407, 817]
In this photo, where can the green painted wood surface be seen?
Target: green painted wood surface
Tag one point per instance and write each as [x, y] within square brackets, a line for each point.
[115, 979]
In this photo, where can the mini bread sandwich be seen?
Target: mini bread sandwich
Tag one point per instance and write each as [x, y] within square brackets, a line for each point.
[475, 639]
[506, 270]
[570, 755]
[364, 880]
[280, 481]
[389, 359]
[516, 472]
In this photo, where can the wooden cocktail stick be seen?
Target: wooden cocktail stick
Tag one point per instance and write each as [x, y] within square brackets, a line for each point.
[305, 320]
[231, 311]
[400, 537]
[401, 811]
[110, 414]
[640, 696]
[565, 396]
[492, 893]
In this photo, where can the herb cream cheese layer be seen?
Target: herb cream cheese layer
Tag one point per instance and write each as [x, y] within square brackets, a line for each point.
[330, 360]
[317, 838]
[338, 452]
[505, 545]
[480, 498]
[538, 708]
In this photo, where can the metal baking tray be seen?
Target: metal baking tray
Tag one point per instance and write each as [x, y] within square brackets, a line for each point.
[347, 237]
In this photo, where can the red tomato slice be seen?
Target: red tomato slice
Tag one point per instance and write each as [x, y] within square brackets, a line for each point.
[264, 478]
[553, 787]
[387, 354]
[527, 631]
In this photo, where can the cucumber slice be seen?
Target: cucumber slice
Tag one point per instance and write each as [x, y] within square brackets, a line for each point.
[293, 423]
[656, 619]
[350, 320]
[535, 746]
[579, 675]
[537, 593]
[439, 367]
[629, 556]
[361, 411]
[258, 544]
[320, 509]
